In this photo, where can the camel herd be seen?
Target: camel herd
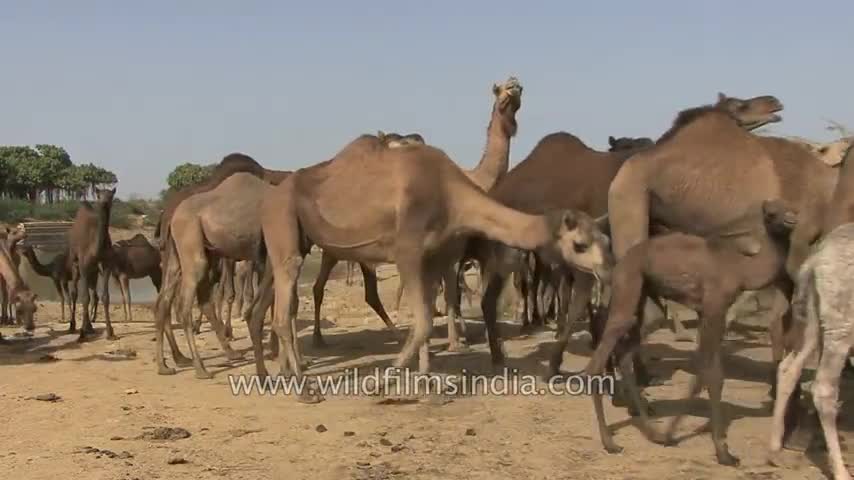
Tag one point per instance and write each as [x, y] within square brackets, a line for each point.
[699, 216]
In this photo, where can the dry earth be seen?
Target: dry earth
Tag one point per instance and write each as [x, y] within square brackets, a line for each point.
[101, 426]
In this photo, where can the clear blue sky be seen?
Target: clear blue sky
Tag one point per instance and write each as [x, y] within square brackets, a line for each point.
[140, 87]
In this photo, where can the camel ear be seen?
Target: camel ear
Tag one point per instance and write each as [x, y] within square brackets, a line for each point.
[380, 134]
[495, 89]
[113, 190]
[611, 140]
[570, 220]
[721, 97]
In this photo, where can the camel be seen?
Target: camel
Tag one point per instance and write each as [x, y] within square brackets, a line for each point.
[89, 247]
[56, 270]
[831, 153]
[708, 171]
[12, 238]
[132, 259]
[412, 206]
[822, 306]
[704, 274]
[369, 274]
[351, 267]
[19, 293]
[224, 222]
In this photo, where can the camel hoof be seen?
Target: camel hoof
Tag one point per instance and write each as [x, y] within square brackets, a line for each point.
[112, 337]
[203, 375]
[164, 370]
[233, 355]
[669, 441]
[310, 398]
[728, 459]
[613, 448]
[526, 329]
[459, 348]
[318, 342]
[183, 361]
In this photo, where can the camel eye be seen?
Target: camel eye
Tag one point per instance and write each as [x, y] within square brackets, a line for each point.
[580, 247]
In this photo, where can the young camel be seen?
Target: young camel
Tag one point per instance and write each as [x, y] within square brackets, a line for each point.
[56, 270]
[19, 293]
[132, 259]
[89, 248]
[412, 206]
[705, 274]
[822, 308]
[13, 238]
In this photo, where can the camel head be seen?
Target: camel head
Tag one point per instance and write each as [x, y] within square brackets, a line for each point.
[779, 216]
[25, 307]
[105, 195]
[508, 100]
[751, 113]
[579, 243]
[16, 235]
[628, 143]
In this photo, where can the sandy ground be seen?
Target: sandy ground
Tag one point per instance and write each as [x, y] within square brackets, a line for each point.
[109, 402]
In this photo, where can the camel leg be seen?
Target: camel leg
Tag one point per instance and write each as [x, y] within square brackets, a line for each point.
[398, 295]
[73, 291]
[228, 295]
[419, 287]
[327, 263]
[162, 319]
[582, 284]
[489, 305]
[260, 304]
[680, 333]
[105, 298]
[455, 343]
[192, 271]
[825, 391]
[88, 280]
[781, 316]
[372, 298]
[4, 306]
[118, 279]
[61, 294]
[124, 282]
[208, 307]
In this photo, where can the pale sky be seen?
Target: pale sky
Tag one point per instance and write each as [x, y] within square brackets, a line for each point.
[140, 87]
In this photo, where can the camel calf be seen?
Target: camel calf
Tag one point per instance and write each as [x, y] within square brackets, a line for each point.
[706, 275]
[821, 308]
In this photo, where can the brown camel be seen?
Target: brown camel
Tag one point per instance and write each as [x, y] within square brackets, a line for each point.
[56, 270]
[132, 259]
[224, 222]
[707, 172]
[89, 248]
[703, 273]
[12, 238]
[19, 293]
[369, 274]
[412, 206]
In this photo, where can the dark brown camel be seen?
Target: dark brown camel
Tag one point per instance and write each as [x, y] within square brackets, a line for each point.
[706, 275]
[628, 143]
[132, 259]
[707, 172]
[412, 206]
[89, 248]
[19, 293]
[56, 269]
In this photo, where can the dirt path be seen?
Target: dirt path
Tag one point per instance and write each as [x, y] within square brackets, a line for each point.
[109, 403]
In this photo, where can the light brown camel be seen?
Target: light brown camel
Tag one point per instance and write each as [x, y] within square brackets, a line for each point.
[412, 206]
[132, 259]
[13, 237]
[493, 166]
[230, 164]
[369, 274]
[704, 274]
[89, 248]
[56, 269]
[705, 173]
[20, 294]
[224, 222]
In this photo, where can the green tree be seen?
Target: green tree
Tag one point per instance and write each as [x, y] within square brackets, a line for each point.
[187, 174]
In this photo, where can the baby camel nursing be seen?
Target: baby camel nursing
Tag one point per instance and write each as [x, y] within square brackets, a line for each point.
[703, 274]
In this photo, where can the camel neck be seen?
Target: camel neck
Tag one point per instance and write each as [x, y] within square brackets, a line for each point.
[841, 207]
[37, 265]
[102, 240]
[495, 161]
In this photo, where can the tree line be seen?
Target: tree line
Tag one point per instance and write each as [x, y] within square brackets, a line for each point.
[46, 174]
